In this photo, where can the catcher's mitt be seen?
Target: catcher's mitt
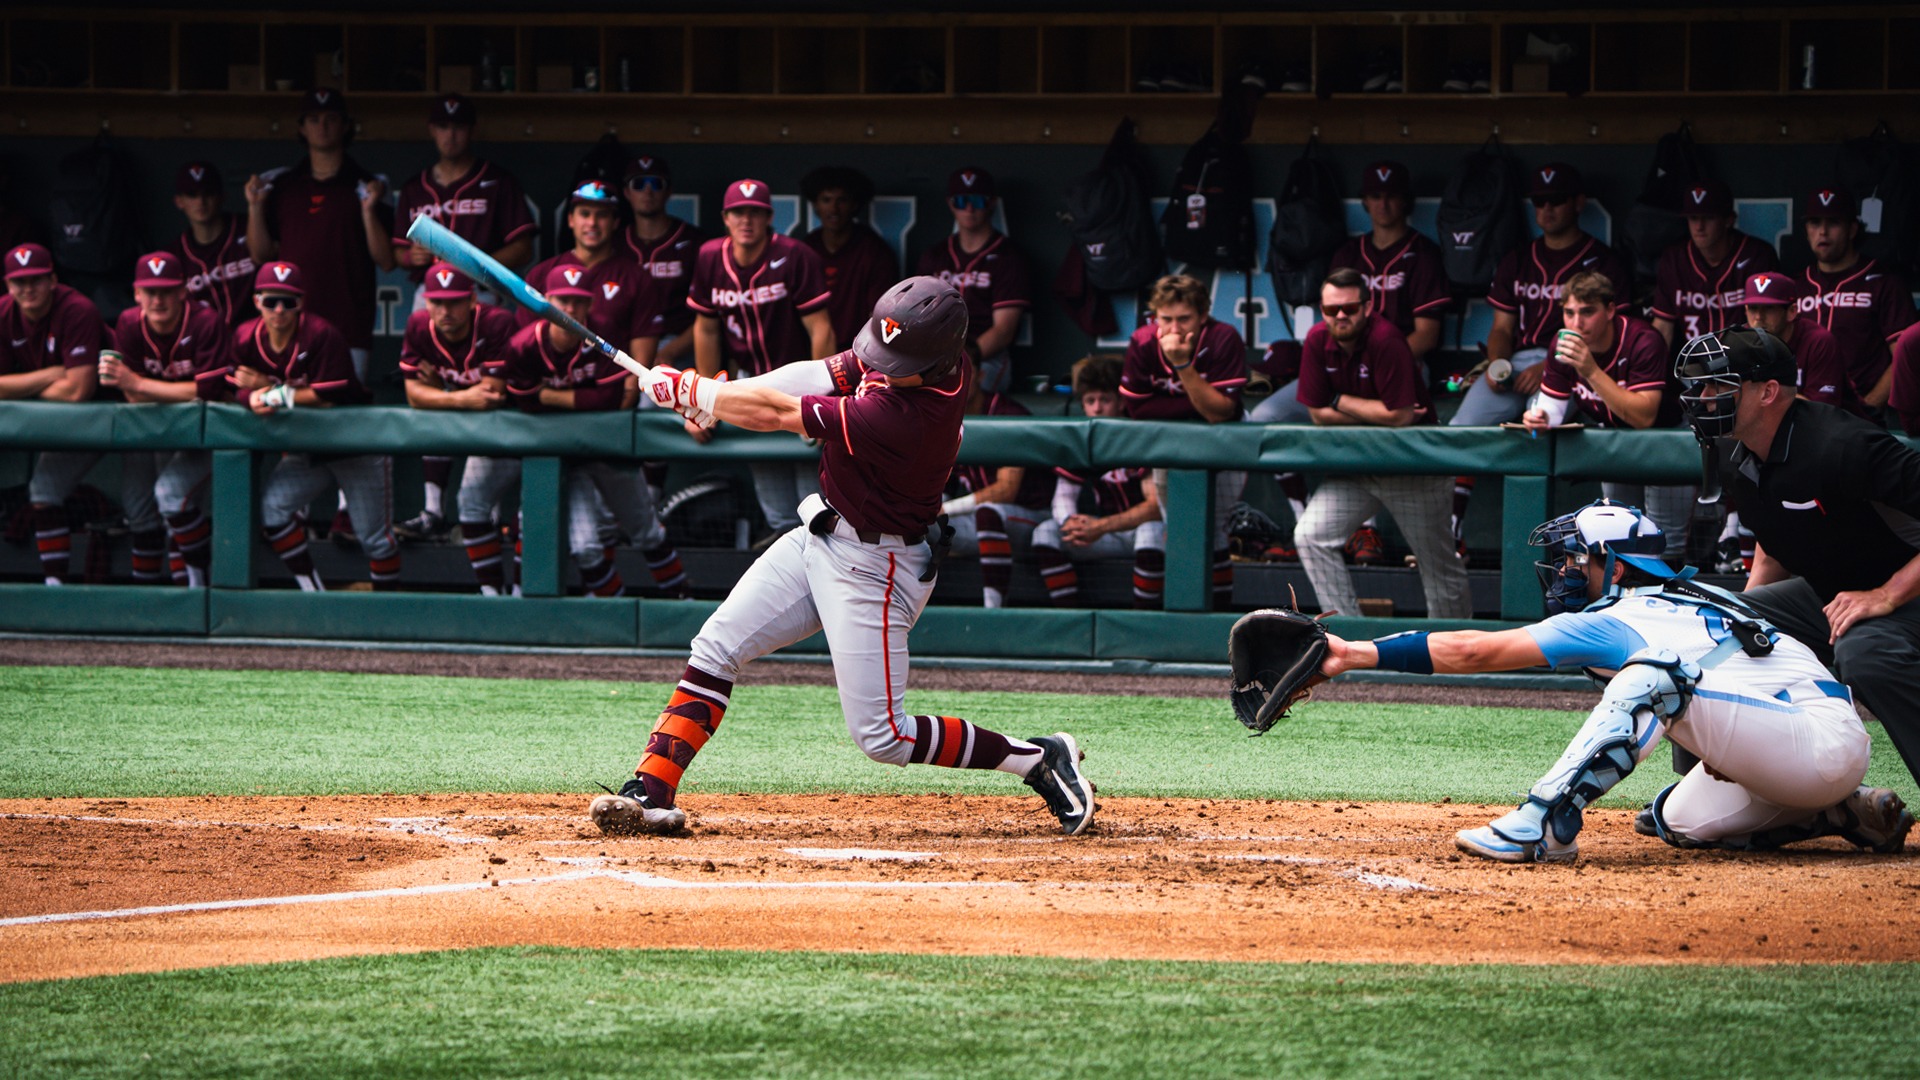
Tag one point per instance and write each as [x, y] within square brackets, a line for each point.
[1276, 655]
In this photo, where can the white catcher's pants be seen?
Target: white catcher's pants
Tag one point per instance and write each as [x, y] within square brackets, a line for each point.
[865, 596]
[1786, 761]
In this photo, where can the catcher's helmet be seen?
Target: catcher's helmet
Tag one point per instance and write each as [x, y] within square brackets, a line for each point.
[918, 327]
[1602, 527]
[1711, 368]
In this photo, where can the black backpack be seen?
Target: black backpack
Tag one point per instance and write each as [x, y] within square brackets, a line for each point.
[1209, 218]
[1658, 218]
[1107, 213]
[91, 211]
[1309, 225]
[1479, 219]
[1879, 167]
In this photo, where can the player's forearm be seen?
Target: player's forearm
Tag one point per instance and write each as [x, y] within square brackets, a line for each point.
[1126, 520]
[1766, 569]
[259, 237]
[309, 398]
[74, 384]
[1000, 334]
[675, 351]
[1066, 499]
[379, 244]
[27, 384]
[820, 330]
[1425, 337]
[1904, 585]
[753, 405]
[1500, 339]
[1213, 405]
[1006, 483]
[160, 392]
[706, 345]
[1666, 328]
[515, 254]
[1635, 408]
[1882, 390]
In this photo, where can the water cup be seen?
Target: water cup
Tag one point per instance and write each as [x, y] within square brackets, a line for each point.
[110, 362]
[1560, 340]
[1500, 374]
[278, 398]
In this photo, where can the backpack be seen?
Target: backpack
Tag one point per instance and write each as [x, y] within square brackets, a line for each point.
[1658, 218]
[1479, 219]
[1879, 167]
[1209, 217]
[91, 210]
[1107, 214]
[1309, 225]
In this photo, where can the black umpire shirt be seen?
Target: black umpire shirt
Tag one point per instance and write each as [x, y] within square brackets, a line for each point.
[1837, 500]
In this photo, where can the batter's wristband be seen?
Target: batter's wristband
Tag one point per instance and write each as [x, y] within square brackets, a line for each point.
[1405, 652]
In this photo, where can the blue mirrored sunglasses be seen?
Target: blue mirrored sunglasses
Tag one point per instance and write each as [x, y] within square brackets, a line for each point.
[594, 190]
[969, 202]
[647, 183]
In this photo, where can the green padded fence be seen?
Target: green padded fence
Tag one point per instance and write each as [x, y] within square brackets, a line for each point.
[1186, 631]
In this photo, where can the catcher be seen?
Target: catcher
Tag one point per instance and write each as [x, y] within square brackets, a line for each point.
[1782, 750]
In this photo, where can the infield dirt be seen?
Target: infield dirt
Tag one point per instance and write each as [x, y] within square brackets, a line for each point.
[1171, 879]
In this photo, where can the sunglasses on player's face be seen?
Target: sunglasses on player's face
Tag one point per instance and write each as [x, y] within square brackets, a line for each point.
[647, 183]
[969, 202]
[1341, 311]
[1541, 202]
[280, 302]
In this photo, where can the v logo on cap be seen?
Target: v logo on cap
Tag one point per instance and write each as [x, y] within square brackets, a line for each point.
[445, 279]
[282, 270]
[197, 172]
[572, 276]
[968, 178]
[1547, 175]
[1826, 198]
[1383, 174]
[889, 330]
[748, 189]
[156, 265]
[22, 255]
[609, 289]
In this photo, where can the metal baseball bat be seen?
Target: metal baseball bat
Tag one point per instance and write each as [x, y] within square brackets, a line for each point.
[487, 270]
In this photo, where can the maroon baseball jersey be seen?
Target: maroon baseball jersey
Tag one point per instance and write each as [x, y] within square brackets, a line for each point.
[1637, 361]
[532, 364]
[623, 300]
[199, 351]
[1109, 492]
[885, 451]
[220, 274]
[992, 278]
[70, 334]
[1036, 485]
[1405, 280]
[459, 364]
[760, 305]
[318, 225]
[1703, 299]
[1381, 367]
[1149, 387]
[668, 264]
[485, 207]
[1905, 398]
[317, 359]
[1529, 281]
[857, 275]
[1823, 370]
[1864, 306]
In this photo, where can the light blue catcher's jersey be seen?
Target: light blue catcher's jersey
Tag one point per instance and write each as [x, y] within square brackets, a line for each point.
[1602, 638]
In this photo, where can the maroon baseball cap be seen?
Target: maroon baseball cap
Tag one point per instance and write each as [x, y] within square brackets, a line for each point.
[969, 180]
[158, 270]
[280, 277]
[445, 282]
[1555, 178]
[568, 280]
[451, 109]
[198, 178]
[748, 193]
[591, 193]
[1829, 202]
[649, 165]
[1708, 198]
[1386, 178]
[323, 99]
[28, 260]
[1771, 287]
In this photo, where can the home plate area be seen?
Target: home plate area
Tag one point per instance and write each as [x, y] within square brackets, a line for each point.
[98, 886]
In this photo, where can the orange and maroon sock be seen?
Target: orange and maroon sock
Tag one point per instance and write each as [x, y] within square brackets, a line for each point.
[1056, 570]
[55, 541]
[602, 580]
[996, 556]
[385, 573]
[482, 542]
[148, 556]
[953, 743]
[664, 564]
[1149, 578]
[691, 717]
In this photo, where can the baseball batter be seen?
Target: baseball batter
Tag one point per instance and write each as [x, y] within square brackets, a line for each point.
[1782, 751]
[214, 246]
[51, 353]
[887, 413]
[291, 353]
[170, 348]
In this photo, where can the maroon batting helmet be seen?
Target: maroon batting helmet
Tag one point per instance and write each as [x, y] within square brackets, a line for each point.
[918, 327]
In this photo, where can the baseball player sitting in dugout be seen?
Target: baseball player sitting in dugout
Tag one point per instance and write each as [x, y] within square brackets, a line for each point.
[1782, 751]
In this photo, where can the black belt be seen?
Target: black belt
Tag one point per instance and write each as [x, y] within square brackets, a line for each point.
[825, 520]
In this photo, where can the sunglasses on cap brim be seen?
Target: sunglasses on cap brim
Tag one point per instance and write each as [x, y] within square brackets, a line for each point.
[646, 183]
[969, 202]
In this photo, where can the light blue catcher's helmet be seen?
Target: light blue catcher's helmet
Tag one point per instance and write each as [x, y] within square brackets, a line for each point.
[1602, 527]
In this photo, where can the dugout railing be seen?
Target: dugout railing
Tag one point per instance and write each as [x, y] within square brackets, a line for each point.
[239, 442]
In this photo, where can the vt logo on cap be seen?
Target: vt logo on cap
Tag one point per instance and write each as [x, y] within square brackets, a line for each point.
[322, 96]
[1761, 283]
[1384, 174]
[22, 256]
[748, 188]
[1699, 195]
[452, 105]
[573, 276]
[889, 330]
[1546, 175]
[645, 163]
[156, 265]
[1825, 196]
[968, 178]
[196, 172]
[282, 271]
[609, 289]
[445, 278]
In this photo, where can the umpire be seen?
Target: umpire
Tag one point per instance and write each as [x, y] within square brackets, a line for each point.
[1834, 505]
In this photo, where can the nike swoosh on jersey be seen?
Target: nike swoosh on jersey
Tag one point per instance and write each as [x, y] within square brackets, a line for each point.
[1741, 263]
[488, 183]
[1871, 277]
[1810, 504]
[817, 418]
[21, 341]
[776, 264]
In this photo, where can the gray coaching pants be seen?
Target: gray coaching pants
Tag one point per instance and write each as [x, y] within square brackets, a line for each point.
[1878, 658]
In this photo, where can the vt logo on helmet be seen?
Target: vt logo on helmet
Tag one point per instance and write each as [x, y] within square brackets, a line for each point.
[919, 327]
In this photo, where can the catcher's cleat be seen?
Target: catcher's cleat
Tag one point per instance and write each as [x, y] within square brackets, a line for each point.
[423, 526]
[1488, 844]
[1877, 819]
[1644, 824]
[1057, 779]
[630, 814]
[1365, 547]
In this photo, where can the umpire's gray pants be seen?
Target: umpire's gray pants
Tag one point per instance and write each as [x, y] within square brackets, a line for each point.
[618, 486]
[1878, 658]
[1423, 508]
[365, 480]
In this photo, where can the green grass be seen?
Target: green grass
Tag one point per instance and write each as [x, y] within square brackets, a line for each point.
[71, 731]
[539, 1012]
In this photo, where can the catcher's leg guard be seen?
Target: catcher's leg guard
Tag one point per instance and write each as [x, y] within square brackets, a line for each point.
[1654, 686]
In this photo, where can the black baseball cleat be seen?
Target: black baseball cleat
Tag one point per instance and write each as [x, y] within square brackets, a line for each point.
[1058, 780]
[1876, 819]
[423, 526]
[1643, 822]
[628, 813]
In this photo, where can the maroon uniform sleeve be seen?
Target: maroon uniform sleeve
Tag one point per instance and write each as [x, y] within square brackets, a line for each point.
[1557, 378]
[1220, 355]
[1500, 294]
[1644, 367]
[523, 368]
[413, 195]
[809, 282]
[496, 327]
[126, 333]
[1895, 304]
[1427, 286]
[511, 218]
[1012, 279]
[706, 274]
[1316, 389]
[1666, 282]
[212, 345]
[1823, 372]
[1905, 398]
[845, 370]
[416, 347]
[331, 367]
[1395, 376]
[1619, 272]
[78, 332]
[536, 276]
